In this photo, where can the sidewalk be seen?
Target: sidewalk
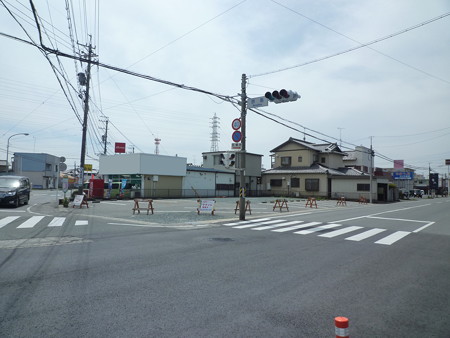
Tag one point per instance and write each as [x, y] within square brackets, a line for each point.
[183, 212]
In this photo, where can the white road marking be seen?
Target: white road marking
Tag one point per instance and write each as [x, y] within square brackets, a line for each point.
[316, 229]
[277, 225]
[246, 222]
[31, 222]
[113, 203]
[388, 240]
[340, 232]
[57, 222]
[365, 234]
[295, 227]
[423, 227]
[7, 220]
[260, 223]
[134, 224]
[81, 222]
[379, 213]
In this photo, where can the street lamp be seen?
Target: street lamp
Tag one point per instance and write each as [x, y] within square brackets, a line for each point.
[7, 149]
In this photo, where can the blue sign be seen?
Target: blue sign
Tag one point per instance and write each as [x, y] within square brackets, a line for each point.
[237, 136]
[403, 175]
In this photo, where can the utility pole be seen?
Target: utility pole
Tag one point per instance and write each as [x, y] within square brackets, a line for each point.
[242, 153]
[371, 170]
[85, 118]
[105, 136]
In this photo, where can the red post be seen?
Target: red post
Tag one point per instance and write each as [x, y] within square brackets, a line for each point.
[341, 327]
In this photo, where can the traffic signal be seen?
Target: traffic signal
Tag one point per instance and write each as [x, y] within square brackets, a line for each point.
[222, 159]
[228, 159]
[282, 96]
[231, 159]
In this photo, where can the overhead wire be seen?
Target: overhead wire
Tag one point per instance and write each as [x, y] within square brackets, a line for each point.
[361, 45]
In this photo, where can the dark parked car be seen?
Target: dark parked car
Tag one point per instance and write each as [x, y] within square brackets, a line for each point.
[14, 190]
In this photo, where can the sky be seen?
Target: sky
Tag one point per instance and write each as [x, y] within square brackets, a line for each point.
[392, 94]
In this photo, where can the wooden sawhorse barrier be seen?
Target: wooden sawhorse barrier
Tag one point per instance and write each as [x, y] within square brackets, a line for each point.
[138, 208]
[247, 207]
[341, 201]
[280, 204]
[311, 201]
[362, 200]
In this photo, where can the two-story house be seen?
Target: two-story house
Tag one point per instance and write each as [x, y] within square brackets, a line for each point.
[301, 168]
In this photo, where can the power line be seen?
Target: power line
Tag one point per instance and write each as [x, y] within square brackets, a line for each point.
[361, 45]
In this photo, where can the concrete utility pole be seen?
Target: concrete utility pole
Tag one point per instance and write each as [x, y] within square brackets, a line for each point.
[85, 119]
[105, 136]
[242, 191]
[371, 170]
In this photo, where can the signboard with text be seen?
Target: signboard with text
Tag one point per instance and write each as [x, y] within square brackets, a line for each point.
[403, 175]
[119, 148]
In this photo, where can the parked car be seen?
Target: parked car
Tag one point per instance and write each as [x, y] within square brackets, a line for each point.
[14, 190]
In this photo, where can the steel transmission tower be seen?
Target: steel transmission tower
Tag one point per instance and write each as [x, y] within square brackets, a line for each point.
[215, 136]
[157, 143]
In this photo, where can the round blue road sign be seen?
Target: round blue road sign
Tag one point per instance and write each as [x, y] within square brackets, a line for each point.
[237, 136]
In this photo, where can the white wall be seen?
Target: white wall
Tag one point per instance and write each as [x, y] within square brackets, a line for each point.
[145, 164]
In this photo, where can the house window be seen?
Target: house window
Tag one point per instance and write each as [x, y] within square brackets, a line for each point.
[315, 158]
[48, 166]
[312, 184]
[286, 161]
[300, 159]
[322, 160]
[276, 183]
[362, 187]
[295, 182]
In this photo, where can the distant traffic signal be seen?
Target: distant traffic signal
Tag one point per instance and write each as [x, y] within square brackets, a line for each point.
[228, 159]
[282, 96]
[231, 159]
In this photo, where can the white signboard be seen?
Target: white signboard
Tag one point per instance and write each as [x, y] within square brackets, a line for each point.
[236, 145]
[206, 205]
[77, 200]
[65, 184]
[261, 101]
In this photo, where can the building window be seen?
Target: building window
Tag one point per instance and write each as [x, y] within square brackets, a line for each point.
[300, 159]
[315, 158]
[295, 182]
[48, 166]
[322, 160]
[312, 184]
[222, 186]
[276, 183]
[286, 161]
[362, 187]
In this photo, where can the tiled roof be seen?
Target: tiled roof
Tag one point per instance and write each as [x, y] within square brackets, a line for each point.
[315, 169]
[323, 148]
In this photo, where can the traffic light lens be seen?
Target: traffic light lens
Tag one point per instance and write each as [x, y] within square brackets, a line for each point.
[276, 95]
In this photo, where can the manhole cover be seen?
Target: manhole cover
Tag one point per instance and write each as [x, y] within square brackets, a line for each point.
[221, 239]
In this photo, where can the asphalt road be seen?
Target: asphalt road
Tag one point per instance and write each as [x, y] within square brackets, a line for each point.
[104, 272]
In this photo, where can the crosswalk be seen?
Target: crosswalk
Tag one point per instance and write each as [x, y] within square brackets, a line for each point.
[24, 222]
[328, 230]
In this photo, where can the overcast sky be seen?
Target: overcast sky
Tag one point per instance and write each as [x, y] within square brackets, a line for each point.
[395, 90]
